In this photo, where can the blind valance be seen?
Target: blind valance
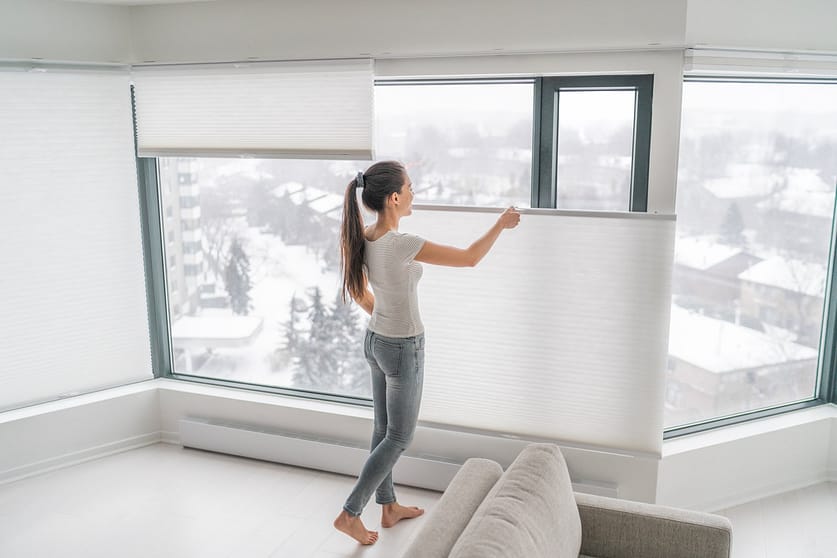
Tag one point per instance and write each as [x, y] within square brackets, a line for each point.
[302, 109]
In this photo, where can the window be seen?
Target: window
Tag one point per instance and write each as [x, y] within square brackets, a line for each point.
[253, 242]
[595, 137]
[755, 205]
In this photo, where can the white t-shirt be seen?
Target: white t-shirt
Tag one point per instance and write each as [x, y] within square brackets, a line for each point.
[394, 276]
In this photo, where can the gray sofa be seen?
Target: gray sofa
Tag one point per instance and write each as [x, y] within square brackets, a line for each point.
[530, 511]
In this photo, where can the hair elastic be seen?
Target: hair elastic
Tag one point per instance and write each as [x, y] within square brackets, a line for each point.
[359, 180]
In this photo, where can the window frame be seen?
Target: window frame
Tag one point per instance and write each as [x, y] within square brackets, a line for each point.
[826, 380]
[545, 144]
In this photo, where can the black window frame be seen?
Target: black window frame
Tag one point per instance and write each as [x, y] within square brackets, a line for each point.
[547, 116]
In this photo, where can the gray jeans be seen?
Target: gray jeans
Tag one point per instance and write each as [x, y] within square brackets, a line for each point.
[397, 366]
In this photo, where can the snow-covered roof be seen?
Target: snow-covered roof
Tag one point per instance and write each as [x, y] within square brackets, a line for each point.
[718, 346]
[791, 275]
[702, 252]
[326, 203]
[215, 330]
[806, 194]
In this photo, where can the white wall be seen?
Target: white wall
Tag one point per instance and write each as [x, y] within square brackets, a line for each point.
[763, 24]
[43, 437]
[243, 29]
[66, 31]
[832, 457]
[715, 470]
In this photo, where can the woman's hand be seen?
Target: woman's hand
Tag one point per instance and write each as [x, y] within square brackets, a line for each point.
[510, 218]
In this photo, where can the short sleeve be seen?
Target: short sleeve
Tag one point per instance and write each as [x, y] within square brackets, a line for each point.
[407, 246]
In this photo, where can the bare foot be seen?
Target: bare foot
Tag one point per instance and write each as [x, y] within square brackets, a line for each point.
[395, 512]
[353, 527]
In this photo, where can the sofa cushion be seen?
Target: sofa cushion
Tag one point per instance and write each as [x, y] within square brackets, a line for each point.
[530, 512]
[451, 514]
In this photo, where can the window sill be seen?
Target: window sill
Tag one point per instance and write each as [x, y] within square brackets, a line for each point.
[732, 433]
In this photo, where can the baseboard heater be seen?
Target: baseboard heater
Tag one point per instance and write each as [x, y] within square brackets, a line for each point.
[422, 471]
[430, 472]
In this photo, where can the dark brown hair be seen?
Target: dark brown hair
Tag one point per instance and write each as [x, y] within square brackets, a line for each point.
[379, 182]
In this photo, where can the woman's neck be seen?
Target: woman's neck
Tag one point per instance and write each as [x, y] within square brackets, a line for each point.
[387, 221]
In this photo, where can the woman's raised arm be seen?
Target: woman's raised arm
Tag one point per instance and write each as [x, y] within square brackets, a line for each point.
[439, 254]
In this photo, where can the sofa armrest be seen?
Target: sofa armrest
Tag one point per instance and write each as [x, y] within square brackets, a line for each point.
[441, 528]
[614, 528]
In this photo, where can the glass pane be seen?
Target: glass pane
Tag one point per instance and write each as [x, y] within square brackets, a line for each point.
[756, 187]
[253, 278]
[595, 149]
[465, 144]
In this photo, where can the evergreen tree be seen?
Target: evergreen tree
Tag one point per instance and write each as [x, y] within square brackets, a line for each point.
[237, 279]
[317, 360]
[352, 369]
[287, 352]
[732, 228]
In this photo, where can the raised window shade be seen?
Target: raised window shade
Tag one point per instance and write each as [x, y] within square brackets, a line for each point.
[741, 64]
[308, 109]
[560, 333]
[74, 315]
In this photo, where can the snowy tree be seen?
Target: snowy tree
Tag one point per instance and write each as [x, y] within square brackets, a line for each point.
[237, 278]
[353, 371]
[286, 352]
[316, 356]
[329, 355]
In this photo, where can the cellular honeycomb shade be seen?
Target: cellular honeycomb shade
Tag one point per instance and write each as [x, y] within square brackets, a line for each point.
[559, 333]
[302, 109]
[74, 313]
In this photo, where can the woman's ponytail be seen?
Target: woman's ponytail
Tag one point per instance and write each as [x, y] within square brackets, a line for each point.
[352, 246]
[377, 183]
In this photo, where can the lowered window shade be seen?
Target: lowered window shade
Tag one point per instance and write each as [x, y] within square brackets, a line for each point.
[74, 313]
[560, 333]
[308, 109]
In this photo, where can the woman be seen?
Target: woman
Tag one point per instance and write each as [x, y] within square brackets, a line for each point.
[386, 259]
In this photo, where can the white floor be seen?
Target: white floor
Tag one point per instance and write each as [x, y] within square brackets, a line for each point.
[165, 501]
[801, 523]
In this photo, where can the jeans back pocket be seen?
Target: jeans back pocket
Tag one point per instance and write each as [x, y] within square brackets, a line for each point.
[388, 355]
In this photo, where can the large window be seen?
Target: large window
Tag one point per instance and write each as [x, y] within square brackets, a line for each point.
[252, 273]
[755, 206]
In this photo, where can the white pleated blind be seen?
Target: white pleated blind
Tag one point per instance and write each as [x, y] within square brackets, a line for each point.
[753, 63]
[559, 333]
[74, 315]
[307, 109]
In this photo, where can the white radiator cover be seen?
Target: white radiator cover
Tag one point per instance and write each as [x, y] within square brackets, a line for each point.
[422, 471]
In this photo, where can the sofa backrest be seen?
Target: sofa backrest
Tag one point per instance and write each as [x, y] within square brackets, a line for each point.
[455, 508]
[530, 511]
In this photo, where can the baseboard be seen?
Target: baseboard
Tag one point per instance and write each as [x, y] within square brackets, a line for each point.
[76, 457]
[168, 437]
